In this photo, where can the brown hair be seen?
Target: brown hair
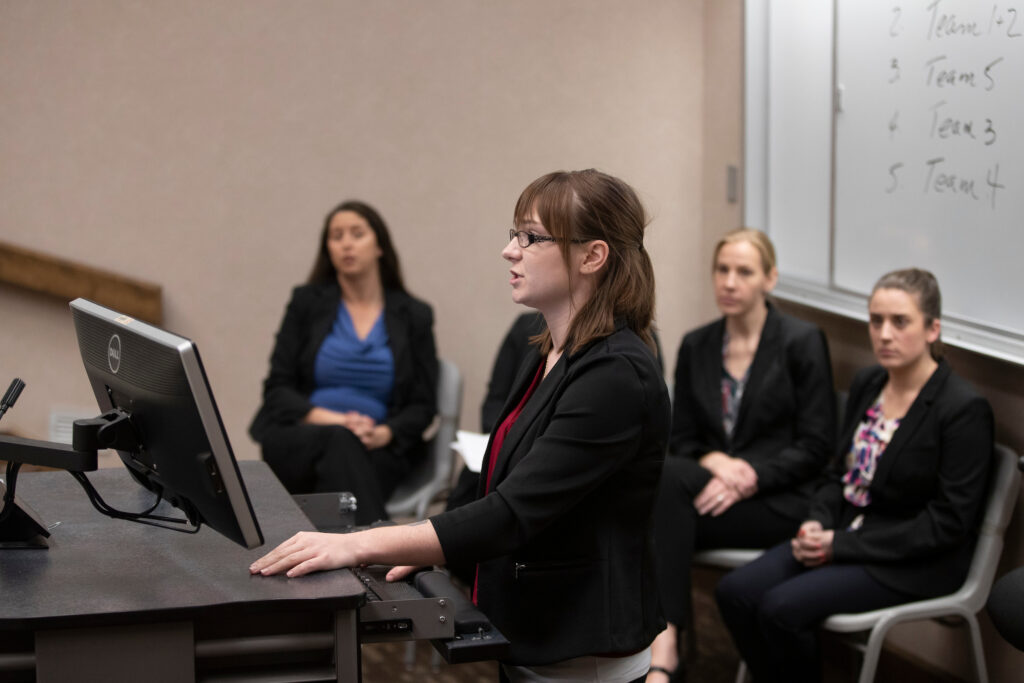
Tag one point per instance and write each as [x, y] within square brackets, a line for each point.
[923, 286]
[756, 238]
[591, 205]
[323, 271]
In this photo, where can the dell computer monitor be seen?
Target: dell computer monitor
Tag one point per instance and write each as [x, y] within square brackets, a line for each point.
[182, 451]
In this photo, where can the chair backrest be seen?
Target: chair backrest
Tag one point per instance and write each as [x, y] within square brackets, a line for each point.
[433, 474]
[1002, 496]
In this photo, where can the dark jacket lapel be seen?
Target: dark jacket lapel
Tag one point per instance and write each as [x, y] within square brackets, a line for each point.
[542, 395]
[709, 381]
[865, 397]
[915, 417]
[322, 318]
[767, 351]
[524, 376]
[396, 322]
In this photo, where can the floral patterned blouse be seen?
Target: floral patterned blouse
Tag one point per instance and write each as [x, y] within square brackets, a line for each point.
[873, 434]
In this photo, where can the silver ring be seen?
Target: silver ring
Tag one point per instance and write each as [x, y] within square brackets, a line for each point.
[721, 497]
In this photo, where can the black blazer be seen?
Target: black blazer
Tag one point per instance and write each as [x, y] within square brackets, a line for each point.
[514, 347]
[928, 493]
[563, 537]
[787, 419]
[308, 320]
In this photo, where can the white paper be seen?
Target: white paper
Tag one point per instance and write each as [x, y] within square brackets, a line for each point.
[471, 446]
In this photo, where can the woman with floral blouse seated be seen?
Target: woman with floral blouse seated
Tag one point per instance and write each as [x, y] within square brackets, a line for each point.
[896, 519]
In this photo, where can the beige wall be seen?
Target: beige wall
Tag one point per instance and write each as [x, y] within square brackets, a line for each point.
[198, 145]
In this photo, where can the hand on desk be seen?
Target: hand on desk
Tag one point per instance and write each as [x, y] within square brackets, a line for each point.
[306, 552]
[409, 546]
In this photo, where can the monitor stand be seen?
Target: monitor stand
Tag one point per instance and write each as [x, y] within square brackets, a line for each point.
[22, 528]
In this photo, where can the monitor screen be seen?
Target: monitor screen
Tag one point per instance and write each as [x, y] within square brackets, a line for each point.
[183, 452]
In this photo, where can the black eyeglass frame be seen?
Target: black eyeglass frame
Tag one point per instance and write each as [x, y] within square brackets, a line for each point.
[532, 238]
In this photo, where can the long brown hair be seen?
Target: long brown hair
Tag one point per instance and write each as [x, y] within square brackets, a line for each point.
[324, 272]
[590, 205]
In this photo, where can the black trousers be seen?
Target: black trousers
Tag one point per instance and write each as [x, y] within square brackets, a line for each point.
[773, 607]
[322, 458]
[679, 531]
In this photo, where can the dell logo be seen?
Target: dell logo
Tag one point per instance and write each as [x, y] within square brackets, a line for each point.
[114, 353]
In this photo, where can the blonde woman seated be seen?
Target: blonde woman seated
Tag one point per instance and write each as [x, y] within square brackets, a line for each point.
[752, 427]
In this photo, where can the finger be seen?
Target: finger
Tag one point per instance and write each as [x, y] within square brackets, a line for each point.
[703, 499]
[272, 556]
[722, 506]
[400, 572]
[704, 506]
[313, 564]
[287, 563]
[286, 555]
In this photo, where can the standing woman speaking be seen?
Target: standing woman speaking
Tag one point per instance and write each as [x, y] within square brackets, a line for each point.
[560, 531]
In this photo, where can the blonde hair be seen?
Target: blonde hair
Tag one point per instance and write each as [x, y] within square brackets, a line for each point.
[756, 238]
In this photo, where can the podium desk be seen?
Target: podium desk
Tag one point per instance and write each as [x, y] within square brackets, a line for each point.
[113, 600]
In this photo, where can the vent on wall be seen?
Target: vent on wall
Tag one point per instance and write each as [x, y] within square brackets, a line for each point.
[61, 423]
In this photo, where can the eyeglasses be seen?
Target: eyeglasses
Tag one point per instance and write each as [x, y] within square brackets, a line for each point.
[525, 239]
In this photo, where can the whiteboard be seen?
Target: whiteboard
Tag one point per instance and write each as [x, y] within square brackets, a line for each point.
[853, 176]
[929, 156]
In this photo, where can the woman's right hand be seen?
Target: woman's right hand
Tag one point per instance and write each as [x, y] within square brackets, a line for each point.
[306, 552]
[735, 472]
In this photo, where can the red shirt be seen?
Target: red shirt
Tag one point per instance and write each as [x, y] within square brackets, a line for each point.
[499, 438]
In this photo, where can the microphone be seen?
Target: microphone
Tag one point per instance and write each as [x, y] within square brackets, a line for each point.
[13, 392]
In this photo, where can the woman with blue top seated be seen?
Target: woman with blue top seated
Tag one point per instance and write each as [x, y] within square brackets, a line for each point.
[753, 424]
[896, 519]
[353, 373]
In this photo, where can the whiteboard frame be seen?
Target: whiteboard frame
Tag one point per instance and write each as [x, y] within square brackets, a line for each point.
[826, 296]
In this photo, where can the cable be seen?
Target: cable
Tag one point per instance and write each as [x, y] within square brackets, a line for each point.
[144, 517]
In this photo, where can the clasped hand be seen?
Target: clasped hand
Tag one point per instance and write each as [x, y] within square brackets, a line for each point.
[812, 546]
[371, 434]
[734, 480]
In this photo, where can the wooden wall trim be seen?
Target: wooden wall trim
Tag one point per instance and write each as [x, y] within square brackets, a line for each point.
[68, 280]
